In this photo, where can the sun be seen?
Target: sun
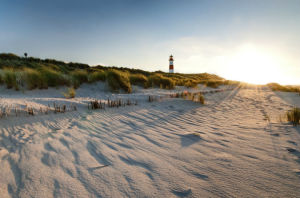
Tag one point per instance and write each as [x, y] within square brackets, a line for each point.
[253, 65]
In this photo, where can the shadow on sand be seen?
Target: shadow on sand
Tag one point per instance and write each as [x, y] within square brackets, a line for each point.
[189, 139]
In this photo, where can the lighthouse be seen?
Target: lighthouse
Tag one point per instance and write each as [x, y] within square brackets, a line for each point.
[171, 66]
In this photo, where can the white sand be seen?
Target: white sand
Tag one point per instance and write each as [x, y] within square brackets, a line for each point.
[172, 148]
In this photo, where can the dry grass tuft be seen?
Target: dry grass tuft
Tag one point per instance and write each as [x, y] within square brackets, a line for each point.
[278, 87]
[71, 93]
[293, 116]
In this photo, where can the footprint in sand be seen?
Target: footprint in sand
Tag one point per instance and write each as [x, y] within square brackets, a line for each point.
[292, 142]
[64, 142]
[275, 134]
[201, 176]
[294, 152]
[49, 147]
[182, 193]
[291, 150]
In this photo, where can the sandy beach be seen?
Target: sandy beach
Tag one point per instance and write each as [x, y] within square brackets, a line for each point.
[233, 146]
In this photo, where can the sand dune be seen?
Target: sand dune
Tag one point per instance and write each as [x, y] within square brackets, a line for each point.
[233, 146]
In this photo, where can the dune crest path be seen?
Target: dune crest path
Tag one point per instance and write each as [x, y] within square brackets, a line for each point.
[233, 146]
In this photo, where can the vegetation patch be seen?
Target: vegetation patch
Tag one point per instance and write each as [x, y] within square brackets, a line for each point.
[293, 116]
[278, 87]
[53, 78]
[43, 73]
[79, 77]
[213, 84]
[71, 93]
[193, 96]
[97, 76]
[138, 79]
[191, 84]
[34, 79]
[118, 80]
[10, 78]
[158, 80]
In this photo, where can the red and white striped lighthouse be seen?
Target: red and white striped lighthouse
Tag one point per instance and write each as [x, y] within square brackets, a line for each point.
[171, 66]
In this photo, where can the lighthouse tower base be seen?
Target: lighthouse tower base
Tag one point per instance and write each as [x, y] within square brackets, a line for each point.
[171, 71]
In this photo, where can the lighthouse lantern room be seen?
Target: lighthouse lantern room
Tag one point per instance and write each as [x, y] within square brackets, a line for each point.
[171, 66]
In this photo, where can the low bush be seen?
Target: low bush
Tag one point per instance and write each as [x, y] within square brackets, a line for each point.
[34, 79]
[213, 84]
[278, 87]
[179, 82]
[191, 83]
[71, 93]
[138, 79]
[293, 116]
[1, 78]
[53, 78]
[231, 82]
[118, 80]
[9, 56]
[10, 79]
[201, 99]
[79, 77]
[97, 76]
[158, 80]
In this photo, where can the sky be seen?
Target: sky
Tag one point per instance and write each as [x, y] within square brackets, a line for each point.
[255, 41]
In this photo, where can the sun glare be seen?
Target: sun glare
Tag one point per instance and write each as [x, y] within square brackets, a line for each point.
[253, 65]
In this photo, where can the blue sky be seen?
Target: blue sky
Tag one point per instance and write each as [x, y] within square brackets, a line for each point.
[204, 36]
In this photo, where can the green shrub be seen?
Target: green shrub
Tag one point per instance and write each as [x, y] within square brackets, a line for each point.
[158, 80]
[9, 56]
[97, 76]
[53, 78]
[118, 80]
[33, 79]
[293, 116]
[10, 79]
[79, 77]
[138, 79]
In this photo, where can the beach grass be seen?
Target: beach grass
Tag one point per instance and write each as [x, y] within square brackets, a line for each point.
[118, 80]
[71, 93]
[287, 88]
[158, 80]
[138, 79]
[10, 78]
[78, 77]
[97, 76]
[293, 116]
